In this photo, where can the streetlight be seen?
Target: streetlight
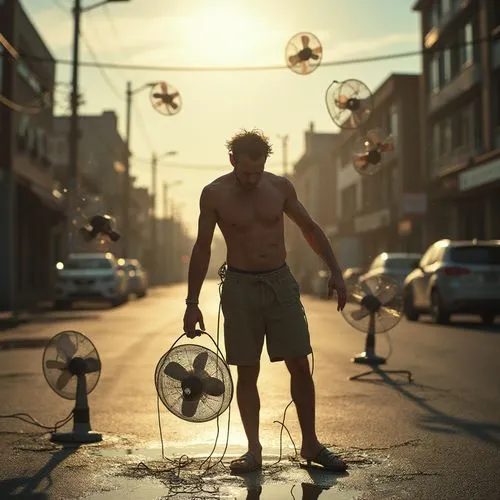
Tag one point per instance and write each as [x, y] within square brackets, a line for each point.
[73, 124]
[154, 164]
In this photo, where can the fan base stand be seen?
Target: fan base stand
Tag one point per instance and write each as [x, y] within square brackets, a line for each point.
[377, 371]
[76, 437]
[371, 359]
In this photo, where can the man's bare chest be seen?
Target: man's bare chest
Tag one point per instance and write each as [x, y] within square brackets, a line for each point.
[246, 211]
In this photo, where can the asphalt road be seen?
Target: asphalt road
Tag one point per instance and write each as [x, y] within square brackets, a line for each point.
[438, 437]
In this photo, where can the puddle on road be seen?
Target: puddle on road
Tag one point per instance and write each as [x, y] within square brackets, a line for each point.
[297, 489]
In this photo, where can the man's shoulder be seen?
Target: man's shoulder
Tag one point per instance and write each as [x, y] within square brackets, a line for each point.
[279, 181]
[215, 187]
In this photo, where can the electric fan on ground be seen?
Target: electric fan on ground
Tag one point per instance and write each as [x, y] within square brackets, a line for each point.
[371, 150]
[349, 103]
[376, 306]
[72, 368]
[165, 99]
[303, 53]
[194, 383]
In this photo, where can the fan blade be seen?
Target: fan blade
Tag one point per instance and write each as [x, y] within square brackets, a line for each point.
[361, 161]
[189, 407]
[387, 146]
[341, 101]
[303, 67]
[66, 347]
[93, 365]
[63, 379]
[315, 57]
[173, 105]
[389, 311]
[293, 60]
[176, 371]
[305, 41]
[366, 289]
[387, 295]
[53, 364]
[317, 50]
[164, 87]
[360, 314]
[200, 361]
[213, 386]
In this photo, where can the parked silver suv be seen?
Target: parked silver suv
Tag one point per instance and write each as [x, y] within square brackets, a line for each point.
[455, 277]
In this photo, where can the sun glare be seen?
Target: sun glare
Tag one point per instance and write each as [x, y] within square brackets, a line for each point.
[223, 35]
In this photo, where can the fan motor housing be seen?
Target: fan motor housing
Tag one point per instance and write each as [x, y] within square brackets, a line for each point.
[371, 303]
[77, 366]
[192, 387]
[353, 104]
[374, 157]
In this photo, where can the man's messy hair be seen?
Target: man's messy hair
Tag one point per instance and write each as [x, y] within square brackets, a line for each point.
[252, 143]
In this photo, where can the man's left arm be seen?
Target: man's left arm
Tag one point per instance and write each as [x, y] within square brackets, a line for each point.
[316, 239]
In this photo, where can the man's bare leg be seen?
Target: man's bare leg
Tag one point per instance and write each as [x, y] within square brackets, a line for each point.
[249, 405]
[303, 395]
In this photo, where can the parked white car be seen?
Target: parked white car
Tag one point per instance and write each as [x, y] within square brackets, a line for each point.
[89, 277]
[137, 278]
[393, 264]
[455, 277]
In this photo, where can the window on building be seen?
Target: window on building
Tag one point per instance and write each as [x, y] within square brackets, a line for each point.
[435, 14]
[393, 121]
[348, 201]
[434, 74]
[446, 71]
[446, 6]
[446, 136]
[495, 15]
[478, 125]
[467, 125]
[436, 141]
[466, 45]
[456, 130]
[496, 120]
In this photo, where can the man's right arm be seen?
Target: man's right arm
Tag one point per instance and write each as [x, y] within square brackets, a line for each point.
[200, 256]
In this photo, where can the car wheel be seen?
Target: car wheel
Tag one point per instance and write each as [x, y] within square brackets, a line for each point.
[409, 310]
[438, 314]
[488, 318]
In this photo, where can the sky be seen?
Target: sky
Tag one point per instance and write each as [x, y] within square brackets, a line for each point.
[216, 105]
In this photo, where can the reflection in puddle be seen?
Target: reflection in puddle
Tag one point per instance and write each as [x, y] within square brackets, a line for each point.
[147, 489]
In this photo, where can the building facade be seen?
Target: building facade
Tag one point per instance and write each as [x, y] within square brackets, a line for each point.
[315, 182]
[461, 116]
[384, 211]
[32, 212]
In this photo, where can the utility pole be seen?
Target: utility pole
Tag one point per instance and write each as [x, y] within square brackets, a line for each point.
[165, 200]
[74, 133]
[284, 149]
[126, 187]
[154, 164]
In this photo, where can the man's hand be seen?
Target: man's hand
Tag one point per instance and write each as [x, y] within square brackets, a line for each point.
[192, 317]
[336, 283]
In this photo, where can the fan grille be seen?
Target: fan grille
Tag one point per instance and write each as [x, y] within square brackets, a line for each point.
[170, 390]
[388, 315]
[303, 53]
[54, 352]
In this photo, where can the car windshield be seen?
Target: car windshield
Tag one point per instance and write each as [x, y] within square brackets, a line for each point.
[475, 254]
[401, 263]
[88, 264]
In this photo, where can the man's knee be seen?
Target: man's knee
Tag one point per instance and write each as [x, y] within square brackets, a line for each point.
[298, 366]
[248, 375]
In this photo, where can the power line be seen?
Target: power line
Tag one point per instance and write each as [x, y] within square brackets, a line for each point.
[340, 62]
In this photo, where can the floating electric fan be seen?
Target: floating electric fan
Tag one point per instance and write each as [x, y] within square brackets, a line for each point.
[99, 225]
[376, 306]
[303, 53]
[371, 150]
[194, 383]
[349, 103]
[165, 99]
[72, 367]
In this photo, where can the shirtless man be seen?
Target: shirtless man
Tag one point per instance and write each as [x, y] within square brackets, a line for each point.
[260, 297]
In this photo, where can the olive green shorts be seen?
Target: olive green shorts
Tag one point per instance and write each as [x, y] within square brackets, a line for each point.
[265, 305]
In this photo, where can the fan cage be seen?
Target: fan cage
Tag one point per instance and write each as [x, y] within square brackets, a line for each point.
[169, 390]
[389, 314]
[84, 349]
[294, 46]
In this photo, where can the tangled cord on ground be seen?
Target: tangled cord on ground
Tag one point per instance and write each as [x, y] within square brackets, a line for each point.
[33, 421]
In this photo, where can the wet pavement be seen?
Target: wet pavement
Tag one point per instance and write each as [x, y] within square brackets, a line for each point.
[438, 437]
